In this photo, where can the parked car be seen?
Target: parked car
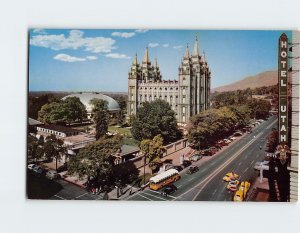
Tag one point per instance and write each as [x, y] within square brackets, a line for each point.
[213, 149]
[227, 140]
[31, 166]
[169, 189]
[223, 143]
[52, 175]
[232, 138]
[39, 170]
[238, 133]
[192, 169]
[186, 163]
[206, 152]
[195, 157]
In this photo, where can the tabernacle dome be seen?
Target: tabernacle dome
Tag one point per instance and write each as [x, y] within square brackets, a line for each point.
[86, 97]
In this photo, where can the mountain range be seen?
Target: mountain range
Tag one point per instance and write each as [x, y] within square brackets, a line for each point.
[267, 78]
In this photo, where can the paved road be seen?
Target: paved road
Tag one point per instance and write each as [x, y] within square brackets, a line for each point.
[73, 192]
[207, 184]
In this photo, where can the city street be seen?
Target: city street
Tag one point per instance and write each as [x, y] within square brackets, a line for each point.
[207, 183]
[73, 192]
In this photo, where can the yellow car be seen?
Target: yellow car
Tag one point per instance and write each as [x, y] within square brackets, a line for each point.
[230, 176]
[240, 195]
[233, 185]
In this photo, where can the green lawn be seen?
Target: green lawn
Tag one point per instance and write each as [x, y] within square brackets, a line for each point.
[125, 131]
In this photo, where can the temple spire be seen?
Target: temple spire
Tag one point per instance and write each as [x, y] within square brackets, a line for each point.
[155, 63]
[203, 57]
[187, 52]
[135, 60]
[196, 49]
[146, 56]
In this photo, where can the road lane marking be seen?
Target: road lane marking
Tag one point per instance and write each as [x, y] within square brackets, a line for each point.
[155, 196]
[240, 163]
[60, 197]
[246, 170]
[144, 197]
[159, 192]
[220, 168]
[80, 195]
[252, 162]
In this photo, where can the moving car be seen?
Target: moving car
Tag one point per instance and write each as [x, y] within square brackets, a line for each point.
[178, 168]
[230, 176]
[192, 169]
[52, 175]
[31, 166]
[195, 157]
[233, 185]
[241, 194]
[186, 163]
[169, 189]
[238, 196]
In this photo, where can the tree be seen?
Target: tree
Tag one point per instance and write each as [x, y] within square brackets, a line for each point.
[211, 125]
[272, 141]
[155, 118]
[34, 148]
[62, 112]
[51, 113]
[95, 161]
[153, 150]
[54, 148]
[74, 109]
[259, 108]
[101, 116]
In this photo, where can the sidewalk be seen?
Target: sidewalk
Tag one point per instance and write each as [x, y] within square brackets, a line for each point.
[261, 191]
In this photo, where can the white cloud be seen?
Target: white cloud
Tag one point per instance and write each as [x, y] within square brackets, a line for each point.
[68, 58]
[165, 45]
[123, 34]
[153, 45]
[91, 57]
[117, 56]
[75, 40]
[141, 30]
[39, 31]
[177, 46]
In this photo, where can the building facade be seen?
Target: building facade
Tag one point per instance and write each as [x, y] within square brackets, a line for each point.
[293, 168]
[187, 96]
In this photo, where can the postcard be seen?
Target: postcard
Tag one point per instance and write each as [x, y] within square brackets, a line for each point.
[163, 115]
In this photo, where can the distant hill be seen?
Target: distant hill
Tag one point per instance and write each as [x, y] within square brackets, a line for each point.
[267, 78]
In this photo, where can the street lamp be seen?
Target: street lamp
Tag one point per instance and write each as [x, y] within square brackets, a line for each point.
[144, 170]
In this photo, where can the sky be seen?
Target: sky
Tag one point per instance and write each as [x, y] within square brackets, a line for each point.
[99, 60]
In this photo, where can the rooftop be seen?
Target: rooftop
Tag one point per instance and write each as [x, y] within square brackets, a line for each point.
[32, 121]
[59, 128]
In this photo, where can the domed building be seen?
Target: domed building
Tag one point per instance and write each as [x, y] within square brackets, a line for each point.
[86, 97]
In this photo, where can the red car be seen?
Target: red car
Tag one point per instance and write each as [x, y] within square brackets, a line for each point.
[213, 150]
